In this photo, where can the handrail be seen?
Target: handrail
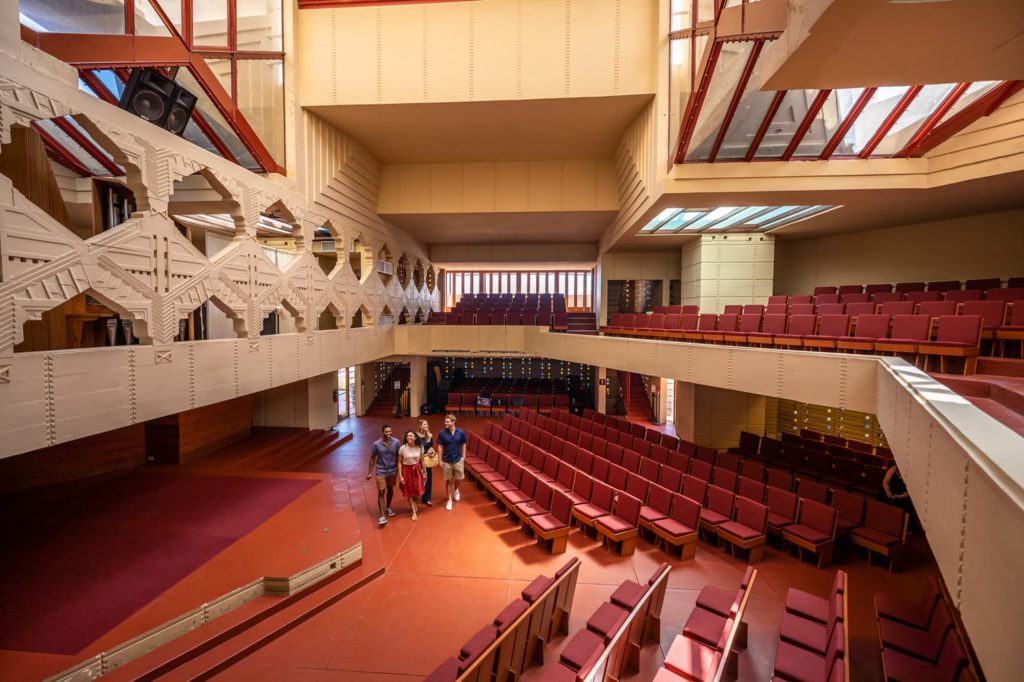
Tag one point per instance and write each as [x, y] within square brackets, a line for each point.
[724, 666]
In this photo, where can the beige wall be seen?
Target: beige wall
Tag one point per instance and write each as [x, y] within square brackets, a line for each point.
[720, 415]
[572, 185]
[305, 404]
[989, 245]
[471, 51]
[452, 256]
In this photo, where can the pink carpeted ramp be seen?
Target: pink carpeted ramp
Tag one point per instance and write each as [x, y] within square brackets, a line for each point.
[88, 559]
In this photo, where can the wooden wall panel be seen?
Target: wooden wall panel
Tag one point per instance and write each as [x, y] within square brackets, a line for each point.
[179, 438]
[90, 456]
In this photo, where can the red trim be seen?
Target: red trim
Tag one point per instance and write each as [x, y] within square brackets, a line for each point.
[734, 103]
[696, 101]
[773, 109]
[847, 123]
[56, 152]
[129, 16]
[233, 25]
[166, 19]
[890, 121]
[86, 144]
[186, 22]
[812, 113]
[97, 86]
[983, 106]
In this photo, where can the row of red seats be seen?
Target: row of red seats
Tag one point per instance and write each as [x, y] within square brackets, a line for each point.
[557, 320]
[809, 437]
[706, 649]
[736, 509]
[614, 634]
[921, 641]
[811, 519]
[504, 648]
[954, 296]
[955, 335]
[814, 636]
[902, 287]
[462, 402]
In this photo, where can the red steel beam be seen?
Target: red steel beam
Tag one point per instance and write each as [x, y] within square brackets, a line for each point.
[983, 106]
[95, 51]
[734, 103]
[890, 121]
[762, 130]
[847, 123]
[812, 113]
[87, 144]
[696, 100]
[207, 130]
[101, 90]
[61, 155]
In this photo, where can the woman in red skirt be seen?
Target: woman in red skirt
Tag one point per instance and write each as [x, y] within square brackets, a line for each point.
[410, 470]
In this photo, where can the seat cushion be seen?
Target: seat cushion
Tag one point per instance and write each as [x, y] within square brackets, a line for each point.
[738, 530]
[478, 643]
[607, 620]
[902, 668]
[894, 608]
[875, 537]
[716, 600]
[807, 605]
[575, 498]
[691, 659]
[548, 522]
[590, 511]
[806, 634]
[712, 518]
[778, 520]
[705, 627]
[582, 650]
[530, 508]
[614, 524]
[448, 671]
[514, 497]
[808, 535]
[536, 588]
[845, 525]
[909, 640]
[799, 665]
[650, 514]
[673, 528]
[509, 614]
[628, 595]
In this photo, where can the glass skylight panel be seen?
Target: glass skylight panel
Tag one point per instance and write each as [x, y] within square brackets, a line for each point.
[71, 147]
[926, 102]
[785, 122]
[659, 219]
[971, 95]
[82, 131]
[835, 110]
[870, 120]
[732, 60]
[731, 218]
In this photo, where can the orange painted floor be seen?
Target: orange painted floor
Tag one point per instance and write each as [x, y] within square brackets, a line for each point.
[449, 573]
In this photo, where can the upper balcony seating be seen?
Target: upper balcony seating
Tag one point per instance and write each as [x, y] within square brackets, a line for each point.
[547, 310]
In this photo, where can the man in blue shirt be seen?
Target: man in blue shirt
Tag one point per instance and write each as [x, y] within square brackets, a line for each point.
[384, 463]
[453, 442]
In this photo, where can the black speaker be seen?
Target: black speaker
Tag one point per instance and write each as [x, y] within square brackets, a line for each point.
[151, 95]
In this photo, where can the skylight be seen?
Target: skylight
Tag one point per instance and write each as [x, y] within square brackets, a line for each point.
[729, 219]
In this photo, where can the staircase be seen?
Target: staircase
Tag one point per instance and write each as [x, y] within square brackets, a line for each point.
[638, 403]
[996, 389]
[582, 323]
[384, 404]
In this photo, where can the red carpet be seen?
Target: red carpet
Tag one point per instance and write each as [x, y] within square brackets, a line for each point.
[72, 570]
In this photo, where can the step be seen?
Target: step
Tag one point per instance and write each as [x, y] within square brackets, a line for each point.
[1008, 367]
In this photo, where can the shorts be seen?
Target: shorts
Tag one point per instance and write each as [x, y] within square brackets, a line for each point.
[456, 471]
[385, 482]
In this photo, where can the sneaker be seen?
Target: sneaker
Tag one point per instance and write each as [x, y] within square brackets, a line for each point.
[447, 505]
[382, 521]
[429, 503]
[457, 496]
[389, 512]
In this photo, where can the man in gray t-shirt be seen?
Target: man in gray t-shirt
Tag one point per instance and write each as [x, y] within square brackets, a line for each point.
[384, 465]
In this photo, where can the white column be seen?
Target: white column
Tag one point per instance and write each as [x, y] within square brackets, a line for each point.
[725, 269]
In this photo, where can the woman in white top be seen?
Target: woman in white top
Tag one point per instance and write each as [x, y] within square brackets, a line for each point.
[410, 469]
